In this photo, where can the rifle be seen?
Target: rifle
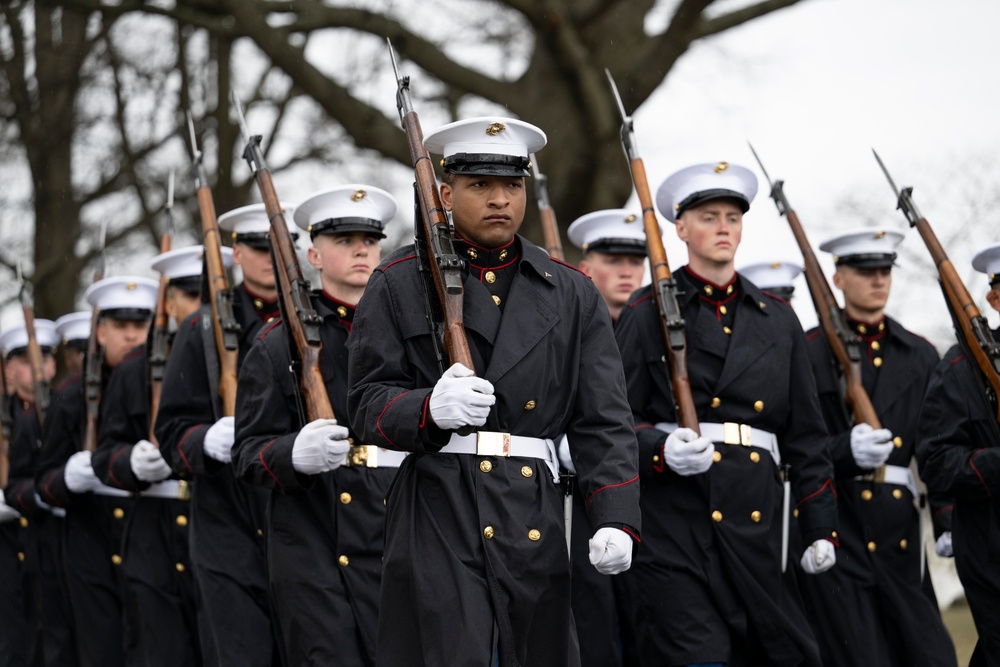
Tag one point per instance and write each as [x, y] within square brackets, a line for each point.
[665, 289]
[296, 308]
[971, 328]
[844, 344]
[435, 246]
[40, 383]
[550, 229]
[5, 426]
[160, 332]
[220, 297]
[95, 359]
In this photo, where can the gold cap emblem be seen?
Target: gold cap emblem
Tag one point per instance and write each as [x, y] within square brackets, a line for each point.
[359, 195]
[721, 167]
[630, 217]
[131, 286]
[879, 235]
[776, 265]
[493, 129]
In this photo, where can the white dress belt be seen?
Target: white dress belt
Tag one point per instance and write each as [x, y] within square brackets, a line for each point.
[899, 475]
[492, 443]
[105, 490]
[170, 489]
[371, 456]
[732, 433]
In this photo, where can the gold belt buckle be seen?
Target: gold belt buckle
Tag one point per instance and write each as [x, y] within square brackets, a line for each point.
[736, 434]
[363, 455]
[492, 443]
[183, 490]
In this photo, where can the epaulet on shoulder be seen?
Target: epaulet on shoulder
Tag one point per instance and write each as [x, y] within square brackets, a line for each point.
[570, 266]
[270, 327]
[68, 382]
[396, 261]
[640, 300]
[776, 297]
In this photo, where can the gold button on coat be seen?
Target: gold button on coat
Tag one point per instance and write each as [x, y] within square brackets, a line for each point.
[119, 513]
[485, 466]
[344, 561]
[530, 405]
[708, 290]
[527, 471]
[876, 346]
[656, 457]
[20, 557]
[24, 522]
[345, 497]
[758, 406]
[903, 544]
[897, 494]
[116, 559]
[755, 457]
[496, 299]
[258, 304]
[833, 534]
[723, 310]
[897, 441]
[490, 277]
[727, 330]
[182, 520]
[716, 516]
[488, 532]
[716, 402]
[716, 456]
[871, 547]
[341, 311]
[866, 494]
[471, 252]
[180, 567]
[534, 535]
[877, 361]
[755, 516]
[795, 513]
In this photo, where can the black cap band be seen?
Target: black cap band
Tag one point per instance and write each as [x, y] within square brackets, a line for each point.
[259, 240]
[189, 284]
[878, 260]
[346, 226]
[617, 246]
[18, 351]
[487, 164]
[130, 314]
[703, 196]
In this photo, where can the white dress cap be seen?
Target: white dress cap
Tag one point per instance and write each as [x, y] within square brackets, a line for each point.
[74, 326]
[614, 231]
[865, 248]
[186, 262]
[771, 275]
[704, 182]
[987, 261]
[250, 224]
[348, 208]
[486, 146]
[16, 338]
[124, 293]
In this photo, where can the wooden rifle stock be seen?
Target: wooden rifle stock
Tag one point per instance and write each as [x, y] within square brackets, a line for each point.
[973, 329]
[550, 227]
[93, 368]
[665, 290]
[158, 346]
[296, 308]
[444, 265]
[5, 425]
[220, 298]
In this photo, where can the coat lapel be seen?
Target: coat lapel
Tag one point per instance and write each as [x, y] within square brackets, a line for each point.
[529, 316]
[749, 343]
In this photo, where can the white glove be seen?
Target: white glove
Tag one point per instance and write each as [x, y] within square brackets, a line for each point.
[7, 513]
[565, 458]
[320, 446]
[147, 462]
[819, 557]
[870, 447]
[79, 473]
[943, 546]
[687, 453]
[611, 550]
[460, 399]
[219, 438]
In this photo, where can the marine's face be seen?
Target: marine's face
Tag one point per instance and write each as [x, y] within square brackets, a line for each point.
[19, 376]
[258, 272]
[487, 210]
[180, 304]
[712, 231]
[864, 289]
[615, 276]
[345, 260]
[119, 336]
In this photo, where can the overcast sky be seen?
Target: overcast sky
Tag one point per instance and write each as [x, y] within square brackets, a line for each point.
[815, 87]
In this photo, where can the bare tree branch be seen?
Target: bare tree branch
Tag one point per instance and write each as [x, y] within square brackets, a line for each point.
[718, 24]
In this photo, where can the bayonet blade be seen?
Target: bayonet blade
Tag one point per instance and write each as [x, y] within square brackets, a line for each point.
[885, 171]
[618, 98]
[392, 59]
[170, 191]
[534, 166]
[757, 157]
[244, 130]
[195, 153]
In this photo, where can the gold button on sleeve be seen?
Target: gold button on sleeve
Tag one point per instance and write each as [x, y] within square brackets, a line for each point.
[24, 522]
[903, 544]
[527, 471]
[717, 516]
[344, 561]
[656, 458]
[758, 406]
[866, 494]
[181, 520]
[118, 513]
[897, 441]
[755, 516]
[485, 466]
[716, 456]
[833, 534]
[795, 512]
[871, 547]
[534, 535]
[345, 498]
[488, 532]
[716, 402]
